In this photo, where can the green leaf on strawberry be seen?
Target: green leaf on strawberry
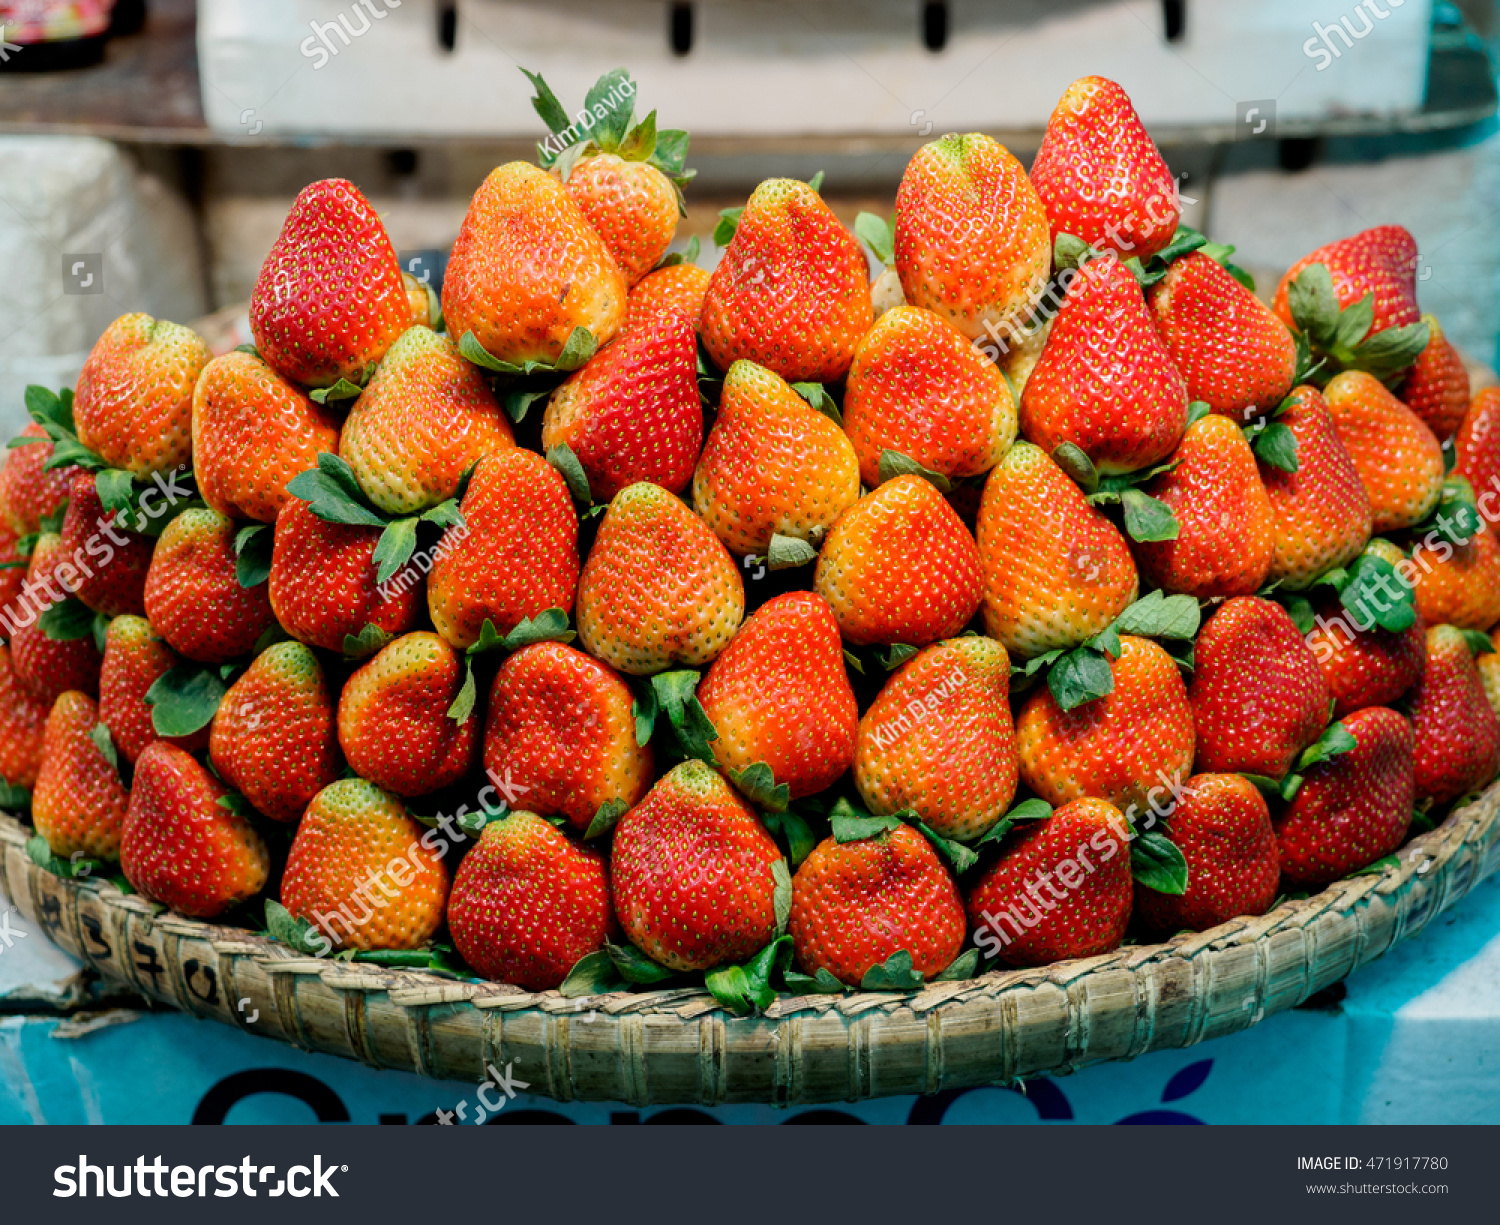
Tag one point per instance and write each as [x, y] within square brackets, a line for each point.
[816, 394]
[1478, 642]
[789, 552]
[236, 803]
[758, 785]
[1331, 339]
[1147, 518]
[644, 709]
[688, 255]
[897, 655]
[1379, 868]
[747, 989]
[821, 983]
[394, 548]
[853, 824]
[1276, 445]
[99, 734]
[67, 621]
[1334, 742]
[1080, 676]
[286, 928]
[567, 463]
[605, 818]
[897, 974]
[879, 235]
[366, 642]
[791, 829]
[581, 345]
[14, 798]
[1158, 615]
[634, 966]
[958, 857]
[342, 390]
[894, 464]
[592, 974]
[76, 868]
[252, 550]
[728, 223]
[1032, 809]
[333, 494]
[1456, 518]
[692, 729]
[961, 968]
[1373, 591]
[184, 699]
[1157, 863]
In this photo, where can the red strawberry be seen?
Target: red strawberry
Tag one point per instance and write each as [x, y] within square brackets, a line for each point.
[22, 721]
[1363, 664]
[1437, 386]
[1460, 584]
[110, 561]
[29, 491]
[1354, 808]
[1477, 447]
[193, 597]
[632, 414]
[1024, 919]
[1221, 825]
[561, 730]
[274, 737]
[1457, 734]
[1100, 175]
[633, 206]
[1399, 460]
[677, 288]
[78, 803]
[528, 903]
[856, 904]
[47, 667]
[1380, 261]
[357, 871]
[939, 739]
[13, 566]
[1258, 695]
[694, 874]
[134, 658]
[329, 299]
[180, 846]
[792, 292]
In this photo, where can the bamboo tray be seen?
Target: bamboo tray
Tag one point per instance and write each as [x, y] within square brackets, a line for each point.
[681, 1047]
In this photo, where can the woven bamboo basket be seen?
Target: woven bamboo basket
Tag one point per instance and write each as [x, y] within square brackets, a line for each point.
[679, 1046]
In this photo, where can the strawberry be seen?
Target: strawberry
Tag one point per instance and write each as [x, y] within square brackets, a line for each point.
[1477, 446]
[792, 292]
[193, 596]
[1457, 734]
[180, 846]
[1322, 512]
[1225, 526]
[13, 565]
[1353, 808]
[23, 718]
[528, 268]
[1460, 584]
[426, 418]
[29, 491]
[1222, 826]
[322, 585]
[48, 667]
[677, 288]
[939, 739]
[1100, 175]
[772, 466]
[358, 872]
[134, 407]
[274, 737]
[1258, 695]
[78, 803]
[1381, 261]
[632, 414]
[918, 387]
[252, 433]
[1488, 667]
[1105, 381]
[561, 728]
[658, 588]
[1084, 845]
[778, 694]
[1056, 571]
[425, 310]
[694, 874]
[110, 561]
[1436, 387]
[899, 566]
[633, 206]
[1399, 461]
[329, 299]
[856, 904]
[528, 903]
[516, 554]
[134, 658]
[1124, 747]
[1364, 664]
[971, 236]
[1234, 354]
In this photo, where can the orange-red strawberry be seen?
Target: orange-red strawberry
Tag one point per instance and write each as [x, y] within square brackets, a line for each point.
[528, 903]
[694, 873]
[180, 846]
[900, 566]
[425, 310]
[1127, 747]
[632, 414]
[772, 466]
[358, 872]
[1258, 695]
[1056, 571]
[274, 737]
[252, 433]
[110, 562]
[47, 667]
[516, 555]
[425, 419]
[29, 490]
[1222, 826]
[1100, 175]
[971, 235]
[677, 289]
[1436, 387]
[1234, 354]
[1022, 916]
[1322, 512]
[393, 720]
[1380, 261]
[1457, 734]
[329, 299]
[561, 730]
[658, 588]
[1105, 381]
[1353, 808]
[1460, 584]
[134, 407]
[134, 658]
[856, 904]
[792, 292]
[193, 595]
[1363, 664]
[1477, 446]
[322, 585]
[633, 206]
[528, 268]
[78, 803]
[23, 719]
[918, 387]
[939, 739]
[779, 694]
[1399, 460]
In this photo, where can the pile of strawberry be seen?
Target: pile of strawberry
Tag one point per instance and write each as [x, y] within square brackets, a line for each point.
[612, 621]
